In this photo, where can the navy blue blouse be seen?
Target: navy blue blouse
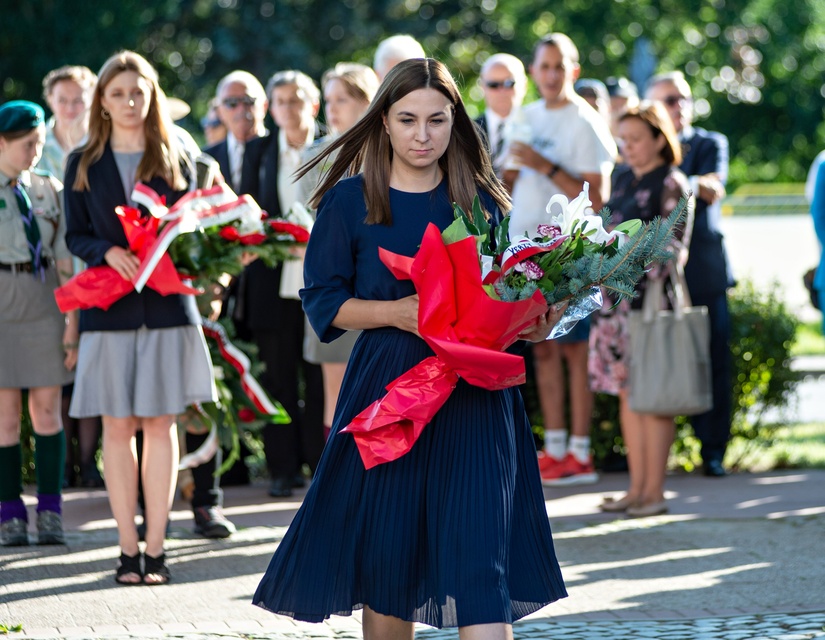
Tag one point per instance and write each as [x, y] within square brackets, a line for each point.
[342, 257]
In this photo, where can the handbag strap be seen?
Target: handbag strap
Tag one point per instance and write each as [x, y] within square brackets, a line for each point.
[653, 299]
[655, 291]
[680, 288]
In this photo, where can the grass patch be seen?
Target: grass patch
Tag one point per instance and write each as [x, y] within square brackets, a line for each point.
[808, 340]
[789, 447]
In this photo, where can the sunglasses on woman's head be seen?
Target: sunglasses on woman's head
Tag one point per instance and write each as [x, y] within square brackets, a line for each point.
[500, 84]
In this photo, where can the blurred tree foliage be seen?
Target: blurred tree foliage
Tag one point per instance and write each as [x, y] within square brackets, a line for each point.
[756, 66]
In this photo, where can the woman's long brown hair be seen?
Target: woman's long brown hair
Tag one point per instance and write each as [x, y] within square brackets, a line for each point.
[365, 147]
[162, 156]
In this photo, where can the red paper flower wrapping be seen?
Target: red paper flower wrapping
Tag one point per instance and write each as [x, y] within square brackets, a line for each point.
[103, 286]
[296, 231]
[466, 328]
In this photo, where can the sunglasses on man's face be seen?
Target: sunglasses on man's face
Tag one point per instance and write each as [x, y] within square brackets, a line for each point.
[500, 84]
[672, 101]
[231, 103]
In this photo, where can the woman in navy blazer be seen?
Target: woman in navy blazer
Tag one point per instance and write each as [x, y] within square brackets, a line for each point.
[143, 360]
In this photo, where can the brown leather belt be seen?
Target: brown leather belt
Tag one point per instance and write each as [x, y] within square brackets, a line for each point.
[23, 267]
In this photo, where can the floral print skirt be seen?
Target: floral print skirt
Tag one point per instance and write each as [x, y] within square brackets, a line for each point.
[609, 348]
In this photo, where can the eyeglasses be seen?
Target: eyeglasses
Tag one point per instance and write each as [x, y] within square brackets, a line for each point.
[500, 84]
[672, 101]
[210, 123]
[231, 103]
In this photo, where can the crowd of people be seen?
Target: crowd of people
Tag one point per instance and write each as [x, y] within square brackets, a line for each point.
[454, 532]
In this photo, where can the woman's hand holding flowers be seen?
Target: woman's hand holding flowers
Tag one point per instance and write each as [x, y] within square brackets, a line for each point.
[541, 330]
[123, 261]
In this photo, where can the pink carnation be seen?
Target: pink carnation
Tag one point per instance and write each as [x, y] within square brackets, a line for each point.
[548, 231]
[530, 270]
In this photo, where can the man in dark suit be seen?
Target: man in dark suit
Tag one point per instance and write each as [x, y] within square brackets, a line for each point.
[705, 162]
[271, 308]
[241, 106]
[504, 83]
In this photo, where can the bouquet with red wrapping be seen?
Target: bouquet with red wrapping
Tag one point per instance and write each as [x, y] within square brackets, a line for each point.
[200, 238]
[466, 328]
[478, 291]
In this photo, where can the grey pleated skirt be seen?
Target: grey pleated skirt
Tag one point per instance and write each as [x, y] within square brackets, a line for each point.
[31, 332]
[143, 373]
[318, 352]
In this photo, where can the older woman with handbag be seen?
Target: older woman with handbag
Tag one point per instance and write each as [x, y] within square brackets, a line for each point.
[649, 184]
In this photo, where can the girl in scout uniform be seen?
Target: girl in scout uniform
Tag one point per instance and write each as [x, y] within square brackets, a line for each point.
[38, 345]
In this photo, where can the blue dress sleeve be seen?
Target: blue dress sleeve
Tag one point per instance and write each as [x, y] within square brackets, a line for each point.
[329, 266]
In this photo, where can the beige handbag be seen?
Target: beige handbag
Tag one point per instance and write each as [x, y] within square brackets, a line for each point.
[670, 371]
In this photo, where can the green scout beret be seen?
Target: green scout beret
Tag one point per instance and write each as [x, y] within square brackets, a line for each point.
[20, 115]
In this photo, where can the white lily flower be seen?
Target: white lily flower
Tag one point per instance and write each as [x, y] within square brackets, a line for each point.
[573, 212]
[579, 214]
[593, 229]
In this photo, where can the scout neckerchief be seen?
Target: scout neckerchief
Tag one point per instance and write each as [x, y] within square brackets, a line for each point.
[30, 227]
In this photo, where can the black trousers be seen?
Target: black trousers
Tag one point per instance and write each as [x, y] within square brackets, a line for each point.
[713, 427]
[298, 386]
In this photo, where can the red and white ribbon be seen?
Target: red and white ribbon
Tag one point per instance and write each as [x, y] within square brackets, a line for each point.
[196, 210]
[523, 248]
[250, 385]
[242, 365]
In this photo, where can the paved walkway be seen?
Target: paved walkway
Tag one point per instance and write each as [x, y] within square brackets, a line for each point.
[737, 558]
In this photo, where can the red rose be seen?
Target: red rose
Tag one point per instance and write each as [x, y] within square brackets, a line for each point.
[229, 233]
[245, 414]
[253, 238]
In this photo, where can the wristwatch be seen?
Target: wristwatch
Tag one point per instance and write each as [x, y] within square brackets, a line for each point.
[553, 171]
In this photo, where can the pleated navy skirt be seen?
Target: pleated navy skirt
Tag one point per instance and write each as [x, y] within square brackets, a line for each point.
[454, 533]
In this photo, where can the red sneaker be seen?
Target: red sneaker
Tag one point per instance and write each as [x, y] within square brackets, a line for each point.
[547, 462]
[569, 471]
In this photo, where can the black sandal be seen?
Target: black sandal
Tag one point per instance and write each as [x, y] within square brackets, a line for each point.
[156, 566]
[129, 565]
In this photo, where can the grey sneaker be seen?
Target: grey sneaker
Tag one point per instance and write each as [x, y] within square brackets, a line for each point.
[50, 528]
[14, 533]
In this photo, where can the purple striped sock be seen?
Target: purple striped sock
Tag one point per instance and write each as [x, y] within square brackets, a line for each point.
[48, 502]
[10, 509]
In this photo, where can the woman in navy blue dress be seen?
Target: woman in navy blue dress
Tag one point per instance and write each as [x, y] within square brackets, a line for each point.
[454, 533]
